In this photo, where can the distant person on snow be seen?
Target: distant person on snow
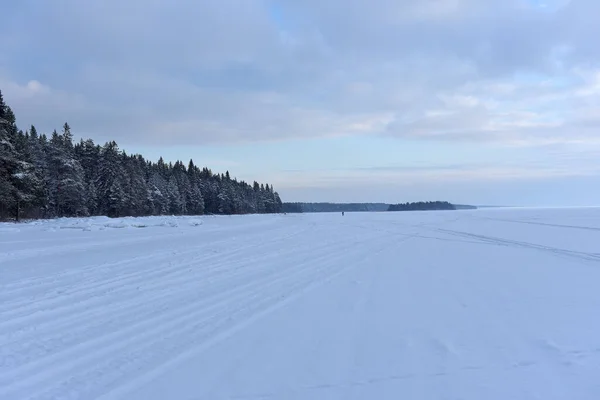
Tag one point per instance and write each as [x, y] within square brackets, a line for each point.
[342, 213]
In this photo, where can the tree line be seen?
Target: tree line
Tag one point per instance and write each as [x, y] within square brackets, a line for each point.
[47, 177]
[300, 207]
[422, 206]
[333, 207]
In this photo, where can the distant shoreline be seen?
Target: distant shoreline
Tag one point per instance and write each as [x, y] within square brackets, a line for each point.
[321, 207]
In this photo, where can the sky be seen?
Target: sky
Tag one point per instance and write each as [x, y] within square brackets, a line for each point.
[471, 101]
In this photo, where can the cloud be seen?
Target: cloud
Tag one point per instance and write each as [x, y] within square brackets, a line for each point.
[509, 72]
[539, 112]
[564, 165]
[35, 101]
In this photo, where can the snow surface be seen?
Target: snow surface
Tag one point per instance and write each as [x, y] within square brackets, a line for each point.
[487, 304]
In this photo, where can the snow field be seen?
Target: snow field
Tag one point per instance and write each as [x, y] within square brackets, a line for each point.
[491, 304]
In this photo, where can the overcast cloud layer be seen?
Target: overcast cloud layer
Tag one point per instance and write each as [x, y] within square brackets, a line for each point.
[511, 72]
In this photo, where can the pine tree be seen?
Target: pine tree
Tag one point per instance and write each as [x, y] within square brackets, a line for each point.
[225, 203]
[16, 174]
[195, 201]
[8, 163]
[176, 203]
[92, 198]
[67, 137]
[88, 155]
[66, 178]
[157, 199]
[38, 184]
[109, 182]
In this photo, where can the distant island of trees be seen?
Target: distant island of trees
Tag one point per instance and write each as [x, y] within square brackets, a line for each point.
[300, 207]
[422, 206]
[333, 207]
[47, 177]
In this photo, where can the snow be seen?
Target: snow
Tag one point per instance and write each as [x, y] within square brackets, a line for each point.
[479, 304]
[5, 142]
[20, 175]
[103, 223]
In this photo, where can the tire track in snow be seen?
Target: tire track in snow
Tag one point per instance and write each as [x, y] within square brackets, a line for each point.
[348, 338]
[582, 227]
[514, 243]
[35, 284]
[116, 340]
[29, 375]
[65, 304]
[260, 290]
[79, 319]
[25, 254]
[92, 287]
[122, 391]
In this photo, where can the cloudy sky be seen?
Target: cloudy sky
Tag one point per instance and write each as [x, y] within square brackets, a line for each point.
[471, 101]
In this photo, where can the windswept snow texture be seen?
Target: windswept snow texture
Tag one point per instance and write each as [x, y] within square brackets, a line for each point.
[486, 304]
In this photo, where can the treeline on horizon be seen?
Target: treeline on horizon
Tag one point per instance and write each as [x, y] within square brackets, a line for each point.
[299, 207]
[422, 206]
[47, 177]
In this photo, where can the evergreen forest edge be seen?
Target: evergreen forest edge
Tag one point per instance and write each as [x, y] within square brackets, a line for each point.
[49, 177]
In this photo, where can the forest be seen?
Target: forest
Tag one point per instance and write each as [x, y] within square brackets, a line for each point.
[371, 207]
[49, 176]
[422, 206]
[333, 207]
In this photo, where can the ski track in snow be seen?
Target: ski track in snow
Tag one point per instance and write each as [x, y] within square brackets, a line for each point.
[477, 304]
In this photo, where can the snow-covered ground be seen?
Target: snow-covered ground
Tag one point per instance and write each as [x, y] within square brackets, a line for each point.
[488, 304]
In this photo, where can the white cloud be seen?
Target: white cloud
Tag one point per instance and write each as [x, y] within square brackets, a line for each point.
[231, 70]
[37, 103]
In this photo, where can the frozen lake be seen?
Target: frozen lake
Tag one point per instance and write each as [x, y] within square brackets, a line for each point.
[488, 304]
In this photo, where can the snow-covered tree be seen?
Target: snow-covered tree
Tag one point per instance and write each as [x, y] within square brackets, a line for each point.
[110, 182]
[66, 179]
